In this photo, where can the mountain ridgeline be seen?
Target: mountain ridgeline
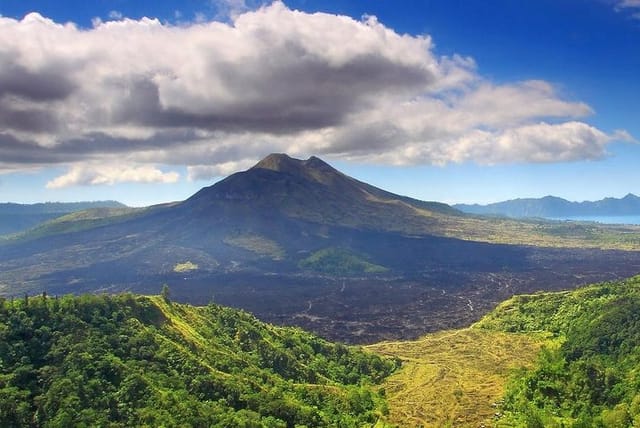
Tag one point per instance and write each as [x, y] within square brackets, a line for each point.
[126, 360]
[554, 207]
[16, 218]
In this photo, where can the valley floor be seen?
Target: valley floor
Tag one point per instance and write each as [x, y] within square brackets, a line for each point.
[454, 378]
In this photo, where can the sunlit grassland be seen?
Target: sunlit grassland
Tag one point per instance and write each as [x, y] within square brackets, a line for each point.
[187, 266]
[454, 378]
[537, 232]
[257, 244]
[79, 221]
[339, 261]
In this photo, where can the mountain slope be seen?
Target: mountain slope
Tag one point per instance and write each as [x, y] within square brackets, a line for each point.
[311, 190]
[591, 378]
[558, 359]
[143, 361]
[454, 377]
[298, 242]
[554, 207]
[16, 218]
[283, 197]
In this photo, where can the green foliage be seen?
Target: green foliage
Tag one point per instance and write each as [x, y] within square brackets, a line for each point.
[187, 266]
[256, 244]
[139, 361]
[165, 293]
[339, 261]
[591, 377]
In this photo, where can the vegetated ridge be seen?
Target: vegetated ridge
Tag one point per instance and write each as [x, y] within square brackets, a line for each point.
[127, 360]
[560, 359]
[591, 377]
[554, 207]
[16, 218]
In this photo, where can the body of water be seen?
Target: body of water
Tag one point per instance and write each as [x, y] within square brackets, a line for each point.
[620, 219]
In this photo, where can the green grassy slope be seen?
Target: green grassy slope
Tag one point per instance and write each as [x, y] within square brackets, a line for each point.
[592, 377]
[142, 361]
[78, 221]
[339, 261]
[562, 359]
[15, 218]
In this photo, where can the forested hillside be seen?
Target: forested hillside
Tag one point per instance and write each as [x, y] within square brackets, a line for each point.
[130, 360]
[563, 359]
[589, 376]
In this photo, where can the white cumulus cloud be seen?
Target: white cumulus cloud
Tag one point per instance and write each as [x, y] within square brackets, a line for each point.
[83, 175]
[213, 96]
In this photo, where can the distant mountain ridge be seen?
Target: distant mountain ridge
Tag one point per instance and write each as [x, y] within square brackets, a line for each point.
[552, 206]
[15, 217]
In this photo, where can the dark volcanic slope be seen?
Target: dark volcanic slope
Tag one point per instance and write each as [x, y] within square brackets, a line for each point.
[299, 242]
[310, 190]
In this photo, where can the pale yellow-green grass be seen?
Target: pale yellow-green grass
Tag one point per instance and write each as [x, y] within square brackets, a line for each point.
[454, 378]
[185, 267]
[536, 232]
[256, 244]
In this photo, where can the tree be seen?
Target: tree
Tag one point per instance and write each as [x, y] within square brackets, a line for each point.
[165, 293]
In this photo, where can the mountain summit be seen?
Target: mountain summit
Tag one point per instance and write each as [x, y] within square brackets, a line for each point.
[312, 190]
[312, 168]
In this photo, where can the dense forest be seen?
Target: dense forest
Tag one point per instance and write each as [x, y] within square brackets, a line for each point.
[129, 360]
[589, 374]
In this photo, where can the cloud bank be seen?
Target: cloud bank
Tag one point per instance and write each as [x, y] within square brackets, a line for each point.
[219, 95]
[84, 175]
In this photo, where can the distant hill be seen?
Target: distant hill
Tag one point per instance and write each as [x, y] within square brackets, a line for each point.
[554, 207]
[125, 361]
[16, 218]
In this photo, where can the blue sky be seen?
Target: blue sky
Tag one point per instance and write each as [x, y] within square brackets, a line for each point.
[454, 101]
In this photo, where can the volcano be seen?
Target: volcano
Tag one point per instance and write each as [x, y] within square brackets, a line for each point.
[299, 242]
